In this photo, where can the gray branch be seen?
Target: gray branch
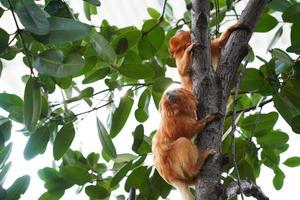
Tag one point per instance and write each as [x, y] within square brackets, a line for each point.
[248, 188]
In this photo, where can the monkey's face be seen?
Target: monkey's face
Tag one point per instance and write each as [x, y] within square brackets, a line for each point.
[179, 42]
[177, 101]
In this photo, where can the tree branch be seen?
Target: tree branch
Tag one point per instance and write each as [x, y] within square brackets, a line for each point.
[247, 187]
[132, 194]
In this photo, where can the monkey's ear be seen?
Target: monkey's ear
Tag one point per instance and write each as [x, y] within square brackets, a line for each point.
[173, 45]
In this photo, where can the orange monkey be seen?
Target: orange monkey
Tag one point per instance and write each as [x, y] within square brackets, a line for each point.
[176, 158]
[180, 48]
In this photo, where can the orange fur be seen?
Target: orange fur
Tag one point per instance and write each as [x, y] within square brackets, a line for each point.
[176, 158]
[180, 48]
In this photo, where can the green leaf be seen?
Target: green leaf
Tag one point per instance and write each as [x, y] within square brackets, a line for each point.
[136, 71]
[106, 140]
[32, 103]
[3, 172]
[138, 136]
[283, 62]
[161, 84]
[4, 154]
[131, 35]
[121, 114]
[97, 192]
[279, 5]
[260, 124]
[37, 143]
[252, 80]
[146, 50]
[18, 188]
[31, 16]
[52, 195]
[295, 33]
[270, 158]
[96, 75]
[153, 13]
[120, 174]
[48, 173]
[93, 2]
[137, 178]
[63, 140]
[9, 100]
[124, 157]
[4, 37]
[273, 139]
[142, 113]
[292, 13]
[292, 161]
[64, 30]
[294, 48]
[75, 174]
[286, 109]
[265, 23]
[103, 48]
[58, 8]
[5, 131]
[278, 179]
[53, 63]
[295, 123]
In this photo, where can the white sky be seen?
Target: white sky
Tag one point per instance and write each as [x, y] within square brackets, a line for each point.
[123, 13]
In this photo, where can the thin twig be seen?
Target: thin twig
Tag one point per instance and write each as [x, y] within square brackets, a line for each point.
[19, 32]
[237, 88]
[96, 108]
[160, 19]
[252, 107]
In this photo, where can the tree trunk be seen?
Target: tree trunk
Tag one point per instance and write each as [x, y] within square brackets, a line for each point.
[212, 89]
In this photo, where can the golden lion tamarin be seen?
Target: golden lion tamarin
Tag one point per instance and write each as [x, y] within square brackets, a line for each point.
[180, 48]
[176, 158]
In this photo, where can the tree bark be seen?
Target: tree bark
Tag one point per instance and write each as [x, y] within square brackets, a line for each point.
[212, 89]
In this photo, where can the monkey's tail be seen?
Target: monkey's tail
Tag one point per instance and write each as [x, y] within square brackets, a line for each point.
[184, 191]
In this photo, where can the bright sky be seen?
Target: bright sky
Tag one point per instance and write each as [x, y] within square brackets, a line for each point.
[123, 13]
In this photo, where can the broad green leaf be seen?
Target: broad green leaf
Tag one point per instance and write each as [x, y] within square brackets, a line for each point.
[252, 80]
[156, 36]
[283, 62]
[295, 123]
[122, 46]
[137, 178]
[89, 9]
[64, 30]
[132, 36]
[161, 84]
[106, 141]
[32, 103]
[4, 37]
[96, 75]
[294, 48]
[86, 93]
[5, 130]
[52, 195]
[279, 5]
[1, 65]
[273, 139]
[3, 172]
[295, 33]
[63, 140]
[138, 136]
[292, 161]
[9, 100]
[75, 174]
[156, 98]
[103, 48]
[142, 113]
[52, 62]
[93, 2]
[259, 124]
[270, 158]
[265, 23]
[48, 173]
[153, 13]
[37, 143]
[120, 174]
[286, 109]
[18, 188]
[292, 13]
[146, 50]
[31, 16]
[58, 8]
[97, 192]
[136, 71]
[278, 179]
[159, 185]
[92, 159]
[121, 114]
[4, 154]
[124, 158]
